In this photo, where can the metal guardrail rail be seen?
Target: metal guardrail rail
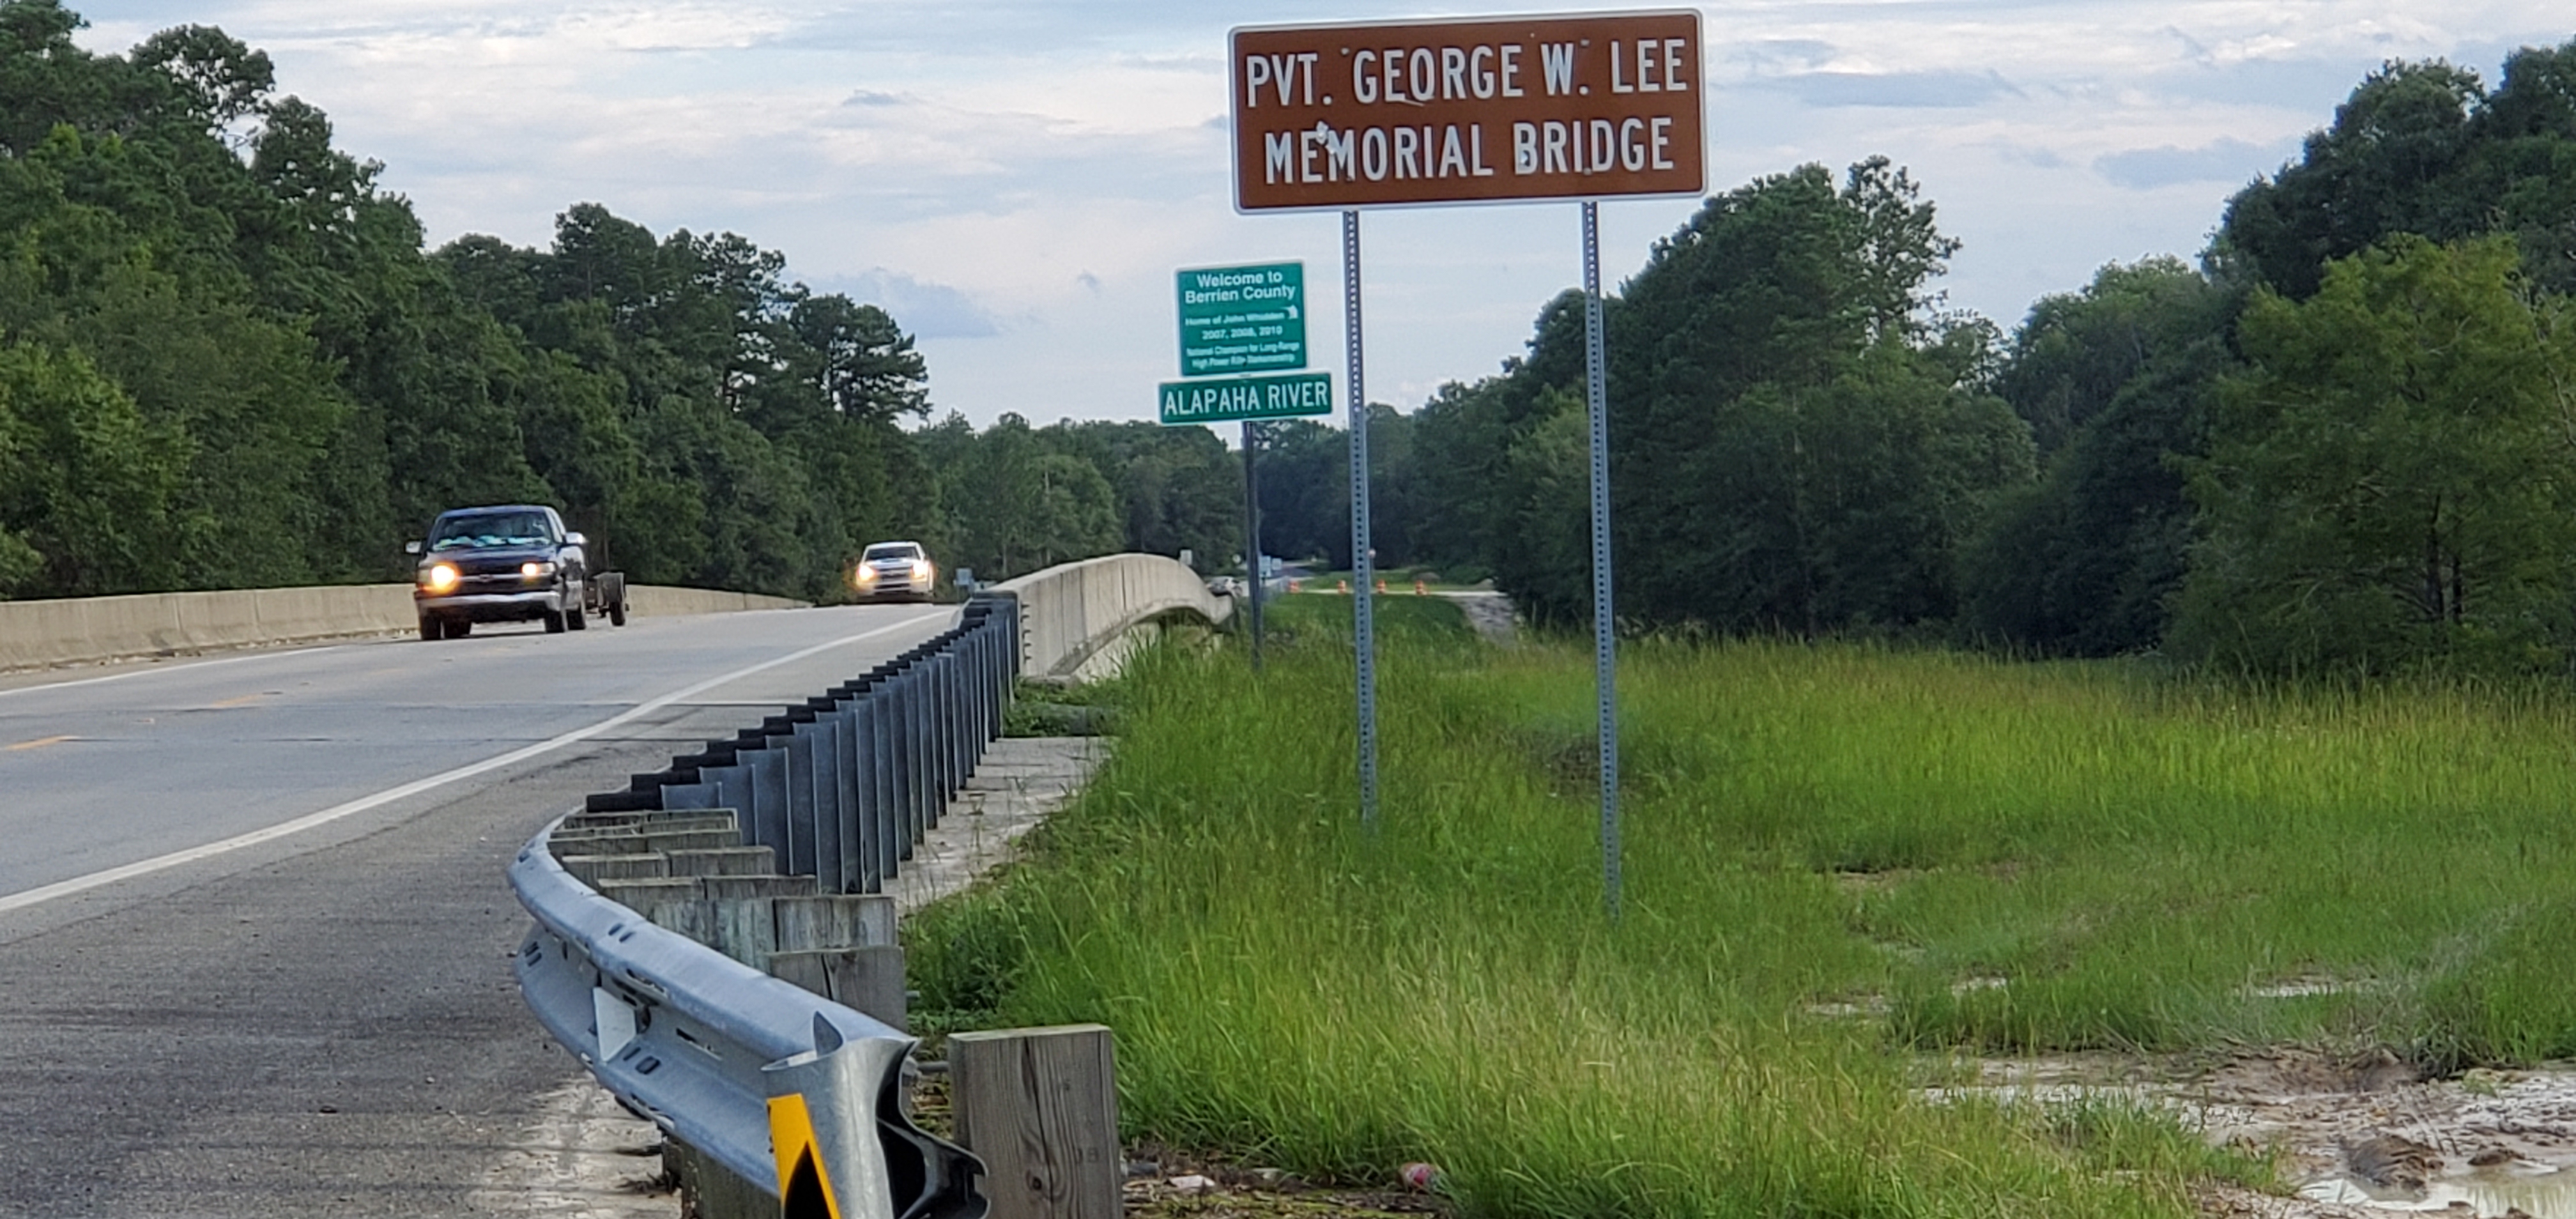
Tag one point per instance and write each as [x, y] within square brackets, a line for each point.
[794, 1093]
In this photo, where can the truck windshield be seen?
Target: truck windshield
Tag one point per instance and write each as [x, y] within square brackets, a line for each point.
[490, 529]
[877, 553]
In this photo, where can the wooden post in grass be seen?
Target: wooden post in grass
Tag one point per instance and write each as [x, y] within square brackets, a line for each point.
[1041, 1107]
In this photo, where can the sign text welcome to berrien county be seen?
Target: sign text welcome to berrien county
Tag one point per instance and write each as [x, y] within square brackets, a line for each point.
[1243, 319]
[1571, 107]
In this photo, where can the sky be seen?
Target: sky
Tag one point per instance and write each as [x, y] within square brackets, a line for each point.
[1018, 180]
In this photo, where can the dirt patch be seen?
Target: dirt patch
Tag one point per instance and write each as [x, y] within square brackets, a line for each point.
[2359, 1135]
[1165, 1184]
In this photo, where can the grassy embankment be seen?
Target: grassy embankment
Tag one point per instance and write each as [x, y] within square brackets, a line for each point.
[1843, 864]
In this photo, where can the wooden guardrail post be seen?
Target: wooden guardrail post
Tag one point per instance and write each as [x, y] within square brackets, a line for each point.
[1040, 1107]
[843, 948]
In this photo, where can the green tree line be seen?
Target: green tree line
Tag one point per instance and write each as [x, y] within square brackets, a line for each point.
[228, 360]
[2343, 438]
[2344, 441]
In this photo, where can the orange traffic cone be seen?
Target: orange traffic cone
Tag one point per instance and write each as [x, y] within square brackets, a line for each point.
[1381, 586]
[1417, 587]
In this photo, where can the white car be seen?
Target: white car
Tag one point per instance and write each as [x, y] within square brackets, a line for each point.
[893, 571]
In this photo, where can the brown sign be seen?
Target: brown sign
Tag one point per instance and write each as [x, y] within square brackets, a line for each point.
[1467, 111]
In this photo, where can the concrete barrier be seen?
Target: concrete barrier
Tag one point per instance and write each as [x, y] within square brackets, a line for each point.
[89, 630]
[661, 601]
[1081, 618]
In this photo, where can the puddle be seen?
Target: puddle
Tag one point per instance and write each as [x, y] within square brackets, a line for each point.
[2540, 1193]
[2362, 1135]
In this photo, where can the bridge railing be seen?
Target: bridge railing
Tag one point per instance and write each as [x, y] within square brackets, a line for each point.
[1087, 614]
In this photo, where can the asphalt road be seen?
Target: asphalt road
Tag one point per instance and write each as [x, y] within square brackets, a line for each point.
[254, 926]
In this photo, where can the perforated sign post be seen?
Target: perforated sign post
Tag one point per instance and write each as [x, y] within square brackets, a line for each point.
[1472, 110]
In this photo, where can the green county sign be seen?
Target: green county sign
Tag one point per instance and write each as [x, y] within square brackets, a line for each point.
[1233, 398]
[1243, 319]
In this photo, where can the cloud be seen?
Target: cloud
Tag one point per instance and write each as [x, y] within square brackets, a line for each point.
[1907, 89]
[2037, 156]
[2226, 160]
[924, 310]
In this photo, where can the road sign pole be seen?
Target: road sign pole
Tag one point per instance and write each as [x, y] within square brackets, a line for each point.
[1363, 563]
[1252, 528]
[1604, 640]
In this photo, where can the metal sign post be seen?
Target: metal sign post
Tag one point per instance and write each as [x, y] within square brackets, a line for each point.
[1605, 656]
[1252, 527]
[1363, 552]
[1579, 107]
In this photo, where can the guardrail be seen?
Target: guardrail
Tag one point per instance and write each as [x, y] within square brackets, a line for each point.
[743, 861]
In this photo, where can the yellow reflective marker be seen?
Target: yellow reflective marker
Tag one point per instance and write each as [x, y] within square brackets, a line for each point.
[804, 1189]
[39, 744]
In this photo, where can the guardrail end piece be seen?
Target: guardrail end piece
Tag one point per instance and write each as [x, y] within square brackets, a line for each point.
[845, 1147]
[827, 1035]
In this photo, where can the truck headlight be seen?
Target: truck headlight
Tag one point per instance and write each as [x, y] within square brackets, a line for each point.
[867, 575]
[921, 569]
[538, 570]
[440, 578]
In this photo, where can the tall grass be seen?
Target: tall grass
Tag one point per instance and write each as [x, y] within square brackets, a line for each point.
[1971, 854]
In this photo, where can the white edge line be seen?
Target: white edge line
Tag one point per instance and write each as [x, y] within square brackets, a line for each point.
[162, 863]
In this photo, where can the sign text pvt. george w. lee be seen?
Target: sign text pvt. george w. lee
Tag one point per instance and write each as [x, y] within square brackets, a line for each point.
[1554, 107]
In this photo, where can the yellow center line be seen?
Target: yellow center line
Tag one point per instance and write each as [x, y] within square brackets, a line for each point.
[38, 744]
[243, 701]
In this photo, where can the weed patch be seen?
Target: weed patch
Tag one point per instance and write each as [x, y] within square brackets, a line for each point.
[1842, 861]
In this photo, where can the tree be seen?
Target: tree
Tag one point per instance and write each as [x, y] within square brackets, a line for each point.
[2422, 148]
[2115, 381]
[1020, 502]
[324, 386]
[223, 80]
[1178, 488]
[86, 482]
[862, 364]
[1306, 491]
[1800, 442]
[2391, 483]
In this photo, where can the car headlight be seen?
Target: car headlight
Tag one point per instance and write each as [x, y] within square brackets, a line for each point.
[538, 570]
[867, 575]
[921, 569]
[440, 578]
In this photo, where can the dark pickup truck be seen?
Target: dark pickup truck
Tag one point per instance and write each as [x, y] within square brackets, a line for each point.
[508, 563]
